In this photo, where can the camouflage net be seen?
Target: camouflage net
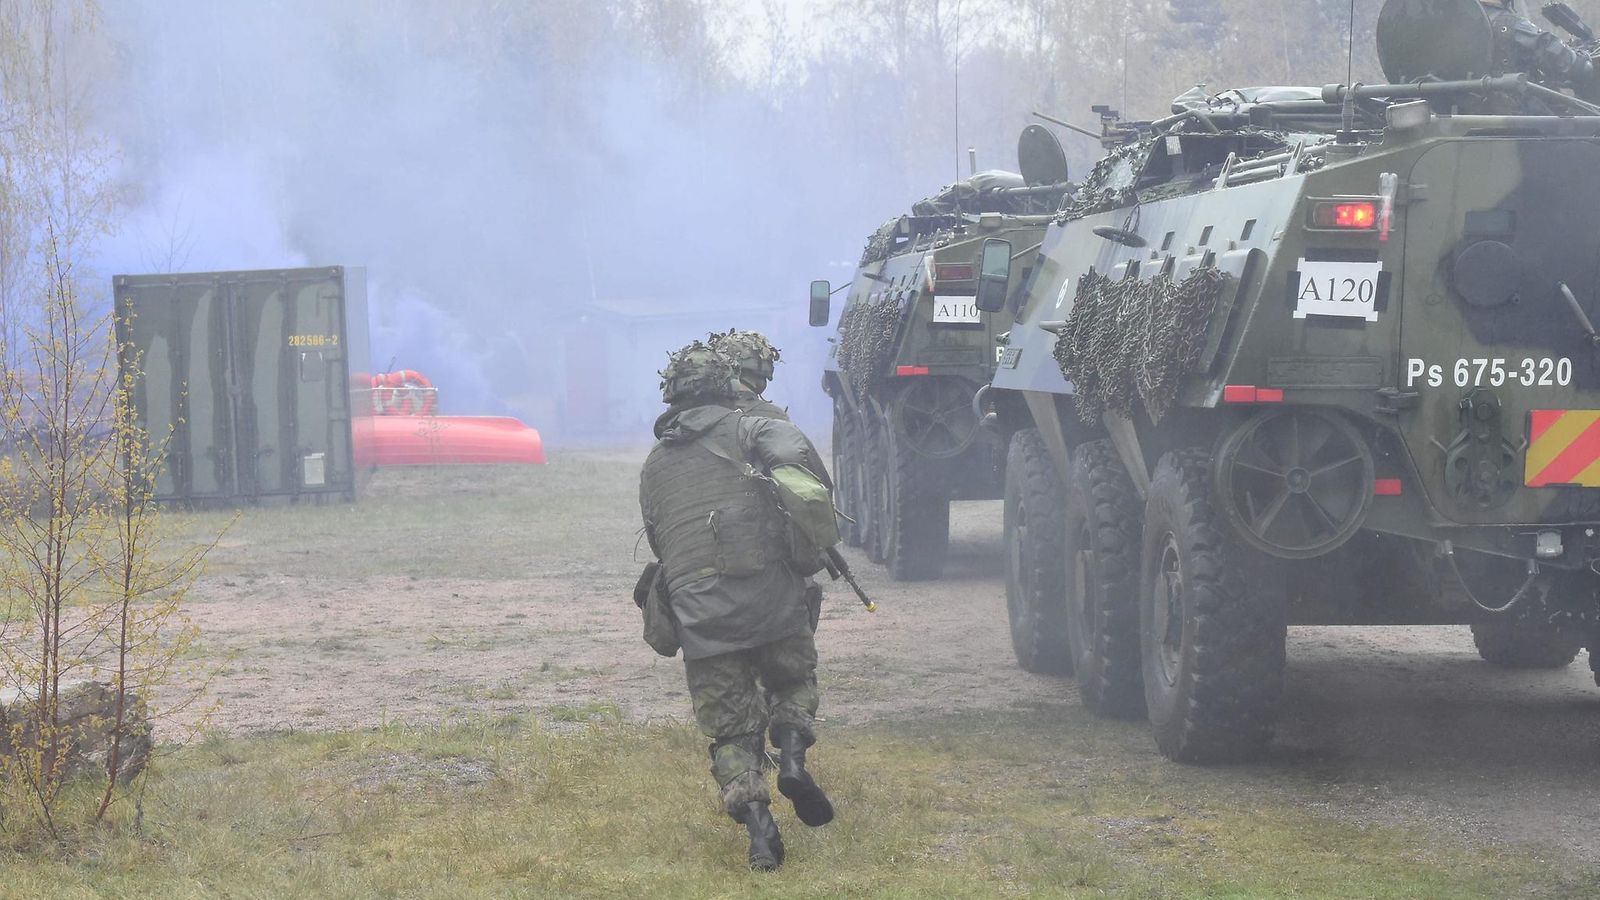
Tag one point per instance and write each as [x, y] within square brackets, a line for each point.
[1109, 184]
[751, 350]
[1131, 340]
[697, 370]
[881, 243]
[866, 340]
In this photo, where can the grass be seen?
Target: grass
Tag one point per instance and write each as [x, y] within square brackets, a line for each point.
[564, 520]
[980, 806]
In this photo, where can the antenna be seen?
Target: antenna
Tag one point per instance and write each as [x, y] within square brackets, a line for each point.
[1350, 47]
[1124, 59]
[1349, 117]
[955, 64]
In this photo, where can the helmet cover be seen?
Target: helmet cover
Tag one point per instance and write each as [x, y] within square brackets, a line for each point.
[750, 350]
[697, 370]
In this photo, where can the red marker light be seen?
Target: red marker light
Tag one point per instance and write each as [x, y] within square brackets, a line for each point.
[1249, 393]
[1387, 487]
[1354, 215]
[910, 370]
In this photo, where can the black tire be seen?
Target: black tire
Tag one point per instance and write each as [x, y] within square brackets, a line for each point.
[1034, 518]
[872, 465]
[1525, 645]
[1102, 532]
[1212, 645]
[847, 490]
[916, 527]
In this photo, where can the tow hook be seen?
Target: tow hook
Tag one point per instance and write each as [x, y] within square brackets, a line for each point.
[987, 419]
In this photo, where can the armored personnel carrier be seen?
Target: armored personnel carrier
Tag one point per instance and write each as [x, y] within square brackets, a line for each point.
[1314, 356]
[913, 349]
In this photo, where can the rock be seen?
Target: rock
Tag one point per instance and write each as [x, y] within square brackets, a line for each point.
[87, 715]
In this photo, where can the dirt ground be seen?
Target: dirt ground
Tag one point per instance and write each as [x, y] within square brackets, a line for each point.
[1399, 725]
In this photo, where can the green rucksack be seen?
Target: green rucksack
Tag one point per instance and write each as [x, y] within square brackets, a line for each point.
[813, 527]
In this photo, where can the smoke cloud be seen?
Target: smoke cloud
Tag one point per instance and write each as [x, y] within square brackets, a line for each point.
[538, 207]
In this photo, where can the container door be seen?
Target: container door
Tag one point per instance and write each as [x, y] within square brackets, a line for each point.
[1501, 287]
[172, 330]
[291, 399]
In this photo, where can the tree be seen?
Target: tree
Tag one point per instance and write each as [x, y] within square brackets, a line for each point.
[87, 588]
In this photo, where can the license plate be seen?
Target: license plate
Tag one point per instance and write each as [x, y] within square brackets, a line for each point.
[1345, 289]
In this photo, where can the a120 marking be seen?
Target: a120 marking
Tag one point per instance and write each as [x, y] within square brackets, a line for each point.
[1341, 290]
[1544, 372]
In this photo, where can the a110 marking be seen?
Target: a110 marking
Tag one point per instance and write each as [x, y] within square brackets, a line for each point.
[1480, 372]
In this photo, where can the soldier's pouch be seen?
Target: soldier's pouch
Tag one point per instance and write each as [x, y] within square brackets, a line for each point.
[660, 624]
[740, 531]
[647, 578]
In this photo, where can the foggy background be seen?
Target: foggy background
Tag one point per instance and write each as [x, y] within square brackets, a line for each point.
[548, 196]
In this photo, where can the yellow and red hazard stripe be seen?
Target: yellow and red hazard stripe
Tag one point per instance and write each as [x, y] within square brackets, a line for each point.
[1563, 448]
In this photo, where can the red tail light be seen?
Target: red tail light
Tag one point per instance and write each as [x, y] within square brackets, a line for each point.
[911, 370]
[1355, 215]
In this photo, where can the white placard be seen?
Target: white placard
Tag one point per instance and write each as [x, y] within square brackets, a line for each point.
[957, 311]
[1348, 289]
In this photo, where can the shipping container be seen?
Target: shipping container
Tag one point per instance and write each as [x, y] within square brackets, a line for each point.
[255, 381]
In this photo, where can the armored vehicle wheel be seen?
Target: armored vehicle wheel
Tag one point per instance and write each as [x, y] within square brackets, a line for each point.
[1212, 645]
[1525, 645]
[1035, 537]
[1102, 531]
[916, 524]
[848, 494]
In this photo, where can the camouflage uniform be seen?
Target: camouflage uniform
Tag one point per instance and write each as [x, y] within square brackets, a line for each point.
[754, 404]
[742, 612]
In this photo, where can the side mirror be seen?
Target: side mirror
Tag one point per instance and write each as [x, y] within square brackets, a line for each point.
[821, 298]
[994, 272]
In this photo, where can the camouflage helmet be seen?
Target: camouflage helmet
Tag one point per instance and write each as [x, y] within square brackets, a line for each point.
[751, 350]
[697, 370]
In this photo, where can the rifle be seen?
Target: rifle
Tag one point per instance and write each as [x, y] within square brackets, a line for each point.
[837, 568]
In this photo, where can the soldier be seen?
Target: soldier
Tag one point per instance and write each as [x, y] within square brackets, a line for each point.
[756, 358]
[742, 613]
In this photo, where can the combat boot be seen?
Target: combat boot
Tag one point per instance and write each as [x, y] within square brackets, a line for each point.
[794, 782]
[766, 845]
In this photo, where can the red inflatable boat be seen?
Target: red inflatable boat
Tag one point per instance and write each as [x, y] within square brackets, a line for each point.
[404, 431]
